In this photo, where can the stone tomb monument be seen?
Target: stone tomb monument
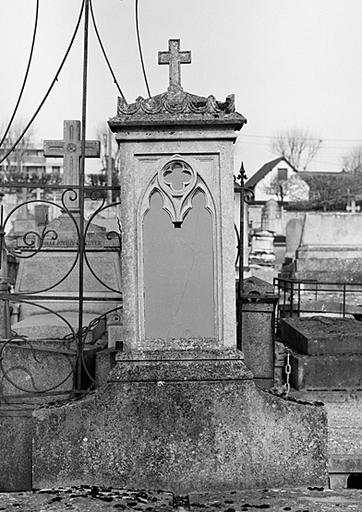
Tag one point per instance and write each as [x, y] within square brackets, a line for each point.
[53, 271]
[181, 410]
[330, 247]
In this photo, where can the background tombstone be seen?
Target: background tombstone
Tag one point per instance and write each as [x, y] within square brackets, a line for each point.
[271, 217]
[330, 248]
[70, 150]
[293, 235]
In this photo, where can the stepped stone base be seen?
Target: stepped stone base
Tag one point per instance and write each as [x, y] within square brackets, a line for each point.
[181, 420]
[326, 371]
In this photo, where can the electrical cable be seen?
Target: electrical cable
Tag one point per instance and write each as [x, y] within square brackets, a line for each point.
[55, 79]
[307, 138]
[140, 48]
[104, 52]
[26, 74]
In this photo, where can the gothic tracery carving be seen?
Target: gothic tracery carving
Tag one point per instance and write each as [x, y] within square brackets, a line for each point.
[177, 183]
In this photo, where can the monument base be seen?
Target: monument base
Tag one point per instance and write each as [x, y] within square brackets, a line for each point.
[191, 421]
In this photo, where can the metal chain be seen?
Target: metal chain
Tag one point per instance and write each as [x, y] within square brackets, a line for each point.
[288, 370]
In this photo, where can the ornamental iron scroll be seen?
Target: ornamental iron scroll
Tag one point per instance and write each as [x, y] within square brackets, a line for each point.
[177, 183]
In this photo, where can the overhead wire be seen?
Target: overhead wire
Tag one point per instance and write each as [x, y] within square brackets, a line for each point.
[55, 79]
[140, 48]
[307, 138]
[104, 52]
[25, 76]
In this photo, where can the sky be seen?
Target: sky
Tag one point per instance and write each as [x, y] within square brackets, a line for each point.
[290, 64]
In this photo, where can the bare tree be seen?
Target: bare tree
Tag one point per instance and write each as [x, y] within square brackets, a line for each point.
[108, 174]
[297, 146]
[352, 161]
[293, 189]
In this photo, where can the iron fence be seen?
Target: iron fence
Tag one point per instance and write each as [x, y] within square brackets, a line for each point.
[303, 297]
[59, 360]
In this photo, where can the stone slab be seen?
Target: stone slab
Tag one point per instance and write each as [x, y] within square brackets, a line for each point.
[50, 326]
[257, 338]
[39, 369]
[329, 275]
[332, 228]
[16, 434]
[180, 424]
[46, 270]
[341, 371]
[322, 335]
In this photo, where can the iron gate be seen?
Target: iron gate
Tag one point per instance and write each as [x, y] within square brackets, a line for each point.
[61, 364]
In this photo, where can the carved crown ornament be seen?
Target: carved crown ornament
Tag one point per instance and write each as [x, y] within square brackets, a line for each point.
[176, 105]
[177, 183]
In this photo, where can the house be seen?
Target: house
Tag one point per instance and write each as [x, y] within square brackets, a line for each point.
[29, 165]
[277, 180]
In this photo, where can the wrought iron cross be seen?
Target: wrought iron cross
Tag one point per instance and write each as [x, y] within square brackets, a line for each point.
[70, 149]
[174, 58]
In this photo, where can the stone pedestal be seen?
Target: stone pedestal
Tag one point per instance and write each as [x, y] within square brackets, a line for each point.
[257, 316]
[170, 421]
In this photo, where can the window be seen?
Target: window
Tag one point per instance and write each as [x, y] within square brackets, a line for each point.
[282, 174]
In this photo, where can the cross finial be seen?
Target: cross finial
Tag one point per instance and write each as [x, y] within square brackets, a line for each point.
[174, 58]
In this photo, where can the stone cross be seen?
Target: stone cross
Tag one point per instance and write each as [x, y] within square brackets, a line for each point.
[174, 58]
[70, 149]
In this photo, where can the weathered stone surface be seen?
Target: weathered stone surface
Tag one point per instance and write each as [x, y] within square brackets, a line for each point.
[105, 361]
[50, 326]
[173, 429]
[16, 432]
[15, 463]
[177, 107]
[330, 248]
[28, 369]
[293, 235]
[257, 313]
[339, 371]
[322, 335]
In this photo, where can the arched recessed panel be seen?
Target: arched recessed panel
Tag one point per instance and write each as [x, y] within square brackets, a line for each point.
[178, 271]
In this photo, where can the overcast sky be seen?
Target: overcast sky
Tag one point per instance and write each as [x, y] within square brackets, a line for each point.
[290, 63]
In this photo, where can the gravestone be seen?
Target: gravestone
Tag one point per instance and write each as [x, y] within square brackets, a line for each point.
[180, 409]
[24, 220]
[330, 248]
[70, 150]
[293, 235]
[271, 217]
[262, 248]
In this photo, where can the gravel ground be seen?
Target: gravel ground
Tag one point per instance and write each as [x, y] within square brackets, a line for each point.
[93, 499]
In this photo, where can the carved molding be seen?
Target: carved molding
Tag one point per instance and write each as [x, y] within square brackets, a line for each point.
[177, 200]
